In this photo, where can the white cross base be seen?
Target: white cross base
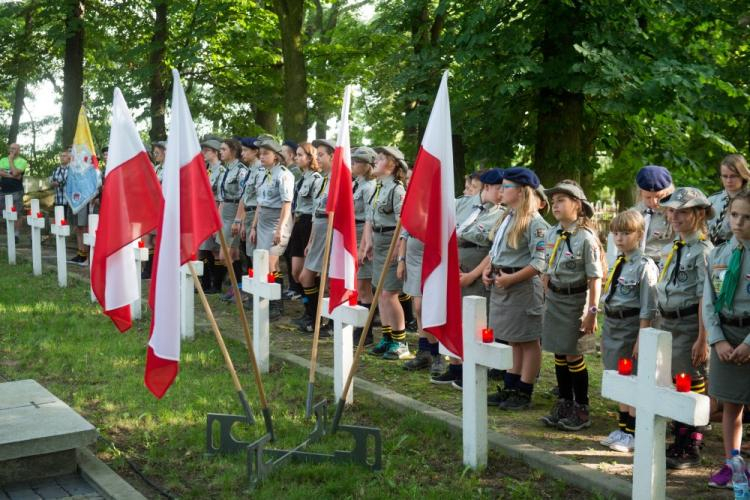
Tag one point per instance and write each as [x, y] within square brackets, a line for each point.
[345, 319]
[141, 255]
[655, 400]
[187, 298]
[262, 292]
[478, 356]
[10, 217]
[89, 239]
[36, 224]
[61, 232]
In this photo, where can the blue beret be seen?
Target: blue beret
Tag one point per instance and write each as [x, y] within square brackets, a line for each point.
[521, 175]
[492, 176]
[248, 142]
[653, 178]
[291, 144]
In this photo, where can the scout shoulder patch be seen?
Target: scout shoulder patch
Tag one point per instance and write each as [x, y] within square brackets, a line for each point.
[540, 232]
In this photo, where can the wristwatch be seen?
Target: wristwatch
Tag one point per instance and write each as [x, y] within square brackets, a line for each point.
[593, 309]
[401, 259]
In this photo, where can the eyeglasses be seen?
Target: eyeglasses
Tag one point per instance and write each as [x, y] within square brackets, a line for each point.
[509, 186]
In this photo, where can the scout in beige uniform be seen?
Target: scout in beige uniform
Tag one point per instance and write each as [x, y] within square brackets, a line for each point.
[383, 213]
[363, 162]
[726, 314]
[230, 190]
[573, 278]
[654, 183]
[679, 293]
[305, 188]
[249, 200]
[629, 302]
[209, 249]
[516, 259]
[734, 177]
[316, 244]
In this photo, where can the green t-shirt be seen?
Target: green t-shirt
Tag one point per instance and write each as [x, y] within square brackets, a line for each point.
[11, 185]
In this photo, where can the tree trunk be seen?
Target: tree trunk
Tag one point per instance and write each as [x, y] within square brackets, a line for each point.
[157, 89]
[18, 101]
[72, 69]
[267, 120]
[22, 62]
[291, 14]
[559, 151]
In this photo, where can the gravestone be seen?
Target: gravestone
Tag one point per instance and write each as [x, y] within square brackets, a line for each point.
[89, 238]
[262, 291]
[10, 214]
[141, 255]
[61, 230]
[35, 220]
[187, 299]
[655, 400]
[345, 319]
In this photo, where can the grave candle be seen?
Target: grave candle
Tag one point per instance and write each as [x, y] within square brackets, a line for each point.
[39, 215]
[683, 382]
[270, 278]
[625, 366]
[353, 298]
[488, 335]
[250, 272]
[63, 222]
[141, 244]
[13, 208]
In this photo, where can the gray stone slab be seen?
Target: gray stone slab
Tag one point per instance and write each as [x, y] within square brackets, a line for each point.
[51, 492]
[75, 485]
[33, 421]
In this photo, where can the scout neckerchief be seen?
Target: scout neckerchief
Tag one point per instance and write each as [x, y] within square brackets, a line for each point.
[323, 185]
[470, 219]
[500, 234]
[720, 220]
[731, 278]
[647, 219]
[676, 249]
[562, 235]
[226, 174]
[614, 275]
[374, 199]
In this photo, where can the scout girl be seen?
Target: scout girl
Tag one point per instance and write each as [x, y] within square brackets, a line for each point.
[654, 183]
[363, 163]
[230, 190]
[734, 176]
[209, 249]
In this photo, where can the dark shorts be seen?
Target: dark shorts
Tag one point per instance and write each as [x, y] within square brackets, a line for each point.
[300, 235]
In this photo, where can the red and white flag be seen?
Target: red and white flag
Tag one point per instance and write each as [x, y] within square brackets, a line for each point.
[130, 207]
[429, 214]
[189, 217]
[342, 265]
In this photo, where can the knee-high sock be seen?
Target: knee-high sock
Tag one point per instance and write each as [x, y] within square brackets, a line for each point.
[237, 267]
[311, 300]
[579, 375]
[564, 380]
[207, 257]
[406, 305]
[220, 272]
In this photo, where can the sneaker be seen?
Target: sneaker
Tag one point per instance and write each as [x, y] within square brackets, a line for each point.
[79, 260]
[422, 360]
[499, 397]
[446, 378]
[555, 391]
[458, 384]
[516, 401]
[438, 366]
[613, 437]
[560, 410]
[381, 347]
[397, 350]
[577, 419]
[722, 479]
[625, 444]
[411, 326]
[290, 294]
[690, 456]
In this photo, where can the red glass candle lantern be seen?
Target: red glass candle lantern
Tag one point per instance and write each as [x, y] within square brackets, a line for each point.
[13, 208]
[353, 298]
[63, 222]
[488, 335]
[250, 272]
[683, 382]
[39, 215]
[141, 244]
[270, 278]
[625, 366]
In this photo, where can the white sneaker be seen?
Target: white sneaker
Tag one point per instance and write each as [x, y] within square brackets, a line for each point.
[613, 437]
[624, 444]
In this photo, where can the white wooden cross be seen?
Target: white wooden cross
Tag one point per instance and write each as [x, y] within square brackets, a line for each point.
[345, 319]
[36, 223]
[89, 239]
[655, 400]
[187, 298]
[141, 255]
[478, 356]
[61, 230]
[262, 291]
[11, 216]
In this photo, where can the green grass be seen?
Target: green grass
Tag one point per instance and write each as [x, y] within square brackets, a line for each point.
[59, 338]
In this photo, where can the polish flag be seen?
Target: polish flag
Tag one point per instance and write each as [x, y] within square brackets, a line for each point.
[342, 265]
[429, 214]
[189, 218]
[130, 207]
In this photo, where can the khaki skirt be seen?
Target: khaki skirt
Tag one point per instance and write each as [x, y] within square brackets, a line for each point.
[314, 258]
[413, 281]
[516, 311]
[228, 213]
[730, 382]
[381, 243]
[561, 333]
[469, 258]
[268, 222]
[249, 216]
[364, 271]
[619, 336]
[684, 334]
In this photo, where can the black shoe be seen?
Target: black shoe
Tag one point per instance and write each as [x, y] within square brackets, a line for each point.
[421, 361]
[412, 326]
[560, 410]
[499, 397]
[689, 457]
[516, 401]
[369, 340]
[458, 384]
[446, 378]
[555, 391]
